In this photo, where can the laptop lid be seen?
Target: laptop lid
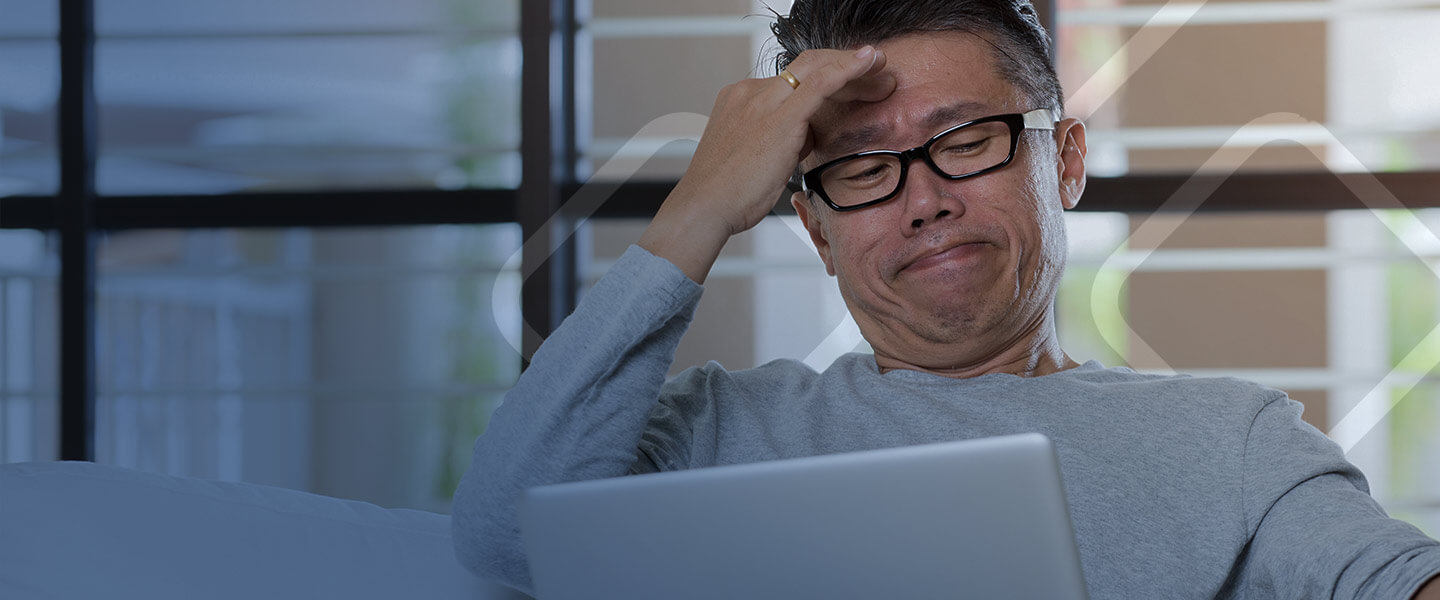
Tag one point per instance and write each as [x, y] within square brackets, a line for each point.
[979, 518]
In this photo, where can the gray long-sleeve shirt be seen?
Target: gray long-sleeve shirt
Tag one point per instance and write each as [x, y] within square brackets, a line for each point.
[1179, 487]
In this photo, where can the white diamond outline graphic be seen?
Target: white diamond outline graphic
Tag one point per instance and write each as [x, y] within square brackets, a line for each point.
[1167, 20]
[1163, 24]
[587, 200]
[1362, 418]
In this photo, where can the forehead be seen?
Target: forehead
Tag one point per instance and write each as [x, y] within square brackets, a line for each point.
[941, 79]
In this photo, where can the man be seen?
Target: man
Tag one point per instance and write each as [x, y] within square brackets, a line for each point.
[948, 256]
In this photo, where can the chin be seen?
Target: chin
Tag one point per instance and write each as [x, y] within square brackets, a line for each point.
[951, 326]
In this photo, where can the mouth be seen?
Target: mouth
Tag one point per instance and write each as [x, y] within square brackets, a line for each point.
[945, 255]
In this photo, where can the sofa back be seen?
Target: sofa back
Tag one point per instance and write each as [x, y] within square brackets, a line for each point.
[72, 530]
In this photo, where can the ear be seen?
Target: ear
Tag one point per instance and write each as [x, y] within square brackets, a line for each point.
[801, 202]
[1070, 160]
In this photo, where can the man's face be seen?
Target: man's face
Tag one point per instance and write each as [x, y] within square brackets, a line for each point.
[946, 273]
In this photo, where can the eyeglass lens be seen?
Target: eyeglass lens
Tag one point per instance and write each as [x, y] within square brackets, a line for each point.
[960, 152]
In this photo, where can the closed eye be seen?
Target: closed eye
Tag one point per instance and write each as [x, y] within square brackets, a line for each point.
[871, 173]
[966, 148]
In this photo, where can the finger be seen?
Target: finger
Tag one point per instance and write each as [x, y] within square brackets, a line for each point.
[870, 88]
[874, 85]
[877, 64]
[816, 66]
[813, 67]
[806, 62]
[827, 78]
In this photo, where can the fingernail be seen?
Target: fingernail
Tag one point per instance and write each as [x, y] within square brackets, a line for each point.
[865, 52]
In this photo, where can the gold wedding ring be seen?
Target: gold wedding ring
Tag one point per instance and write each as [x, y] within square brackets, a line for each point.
[789, 78]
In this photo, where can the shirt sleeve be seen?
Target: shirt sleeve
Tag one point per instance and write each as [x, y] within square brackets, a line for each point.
[578, 411]
[1315, 530]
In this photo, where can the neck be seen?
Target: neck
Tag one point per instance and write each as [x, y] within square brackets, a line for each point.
[1035, 352]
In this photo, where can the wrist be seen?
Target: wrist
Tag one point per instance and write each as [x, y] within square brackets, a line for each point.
[691, 240]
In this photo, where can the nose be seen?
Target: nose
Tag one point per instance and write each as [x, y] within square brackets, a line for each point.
[928, 198]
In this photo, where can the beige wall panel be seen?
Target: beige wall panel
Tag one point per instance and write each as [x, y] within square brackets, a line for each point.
[610, 237]
[1316, 403]
[1161, 2]
[1233, 319]
[1229, 75]
[667, 166]
[724, 326]
[637, 80]
[1248, 230]
[670, 8]
[1273, 157]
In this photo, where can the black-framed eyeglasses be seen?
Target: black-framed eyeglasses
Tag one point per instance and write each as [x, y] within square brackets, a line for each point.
[966, 150]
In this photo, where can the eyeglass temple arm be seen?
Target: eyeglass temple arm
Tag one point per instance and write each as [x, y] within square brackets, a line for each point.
[1041, 118]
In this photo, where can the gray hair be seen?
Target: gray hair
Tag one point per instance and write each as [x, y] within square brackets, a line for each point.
[1022, 46]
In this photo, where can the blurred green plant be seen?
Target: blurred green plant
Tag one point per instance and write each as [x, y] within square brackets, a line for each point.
[1092, 332]
[481, 358]
[480, 113]
[1413, 303]
[480, 84]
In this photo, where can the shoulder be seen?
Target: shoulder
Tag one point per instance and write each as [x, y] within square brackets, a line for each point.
[772, 376]
[1224, 407]
[1179, 387]
[771, 392]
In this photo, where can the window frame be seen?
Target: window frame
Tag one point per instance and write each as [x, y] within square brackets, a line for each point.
[549, 154]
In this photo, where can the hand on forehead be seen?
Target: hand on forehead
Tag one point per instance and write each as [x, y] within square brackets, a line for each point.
[932, 80]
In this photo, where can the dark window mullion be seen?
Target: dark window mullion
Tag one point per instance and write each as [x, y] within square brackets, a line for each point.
[76, 205]
[547, 36]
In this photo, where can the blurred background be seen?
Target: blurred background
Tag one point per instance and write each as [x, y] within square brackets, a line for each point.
[309, 218]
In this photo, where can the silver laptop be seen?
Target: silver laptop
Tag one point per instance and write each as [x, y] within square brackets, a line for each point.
[979, 518]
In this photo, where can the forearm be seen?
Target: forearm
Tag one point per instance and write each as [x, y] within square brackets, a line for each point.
[580, 410]
[758, 131]
[1319, 533]
[684, 233]
[577, 412]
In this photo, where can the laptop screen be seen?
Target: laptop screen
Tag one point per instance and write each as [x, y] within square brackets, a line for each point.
[974, 518]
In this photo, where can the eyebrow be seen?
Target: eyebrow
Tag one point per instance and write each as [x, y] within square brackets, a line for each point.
[863, 137]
